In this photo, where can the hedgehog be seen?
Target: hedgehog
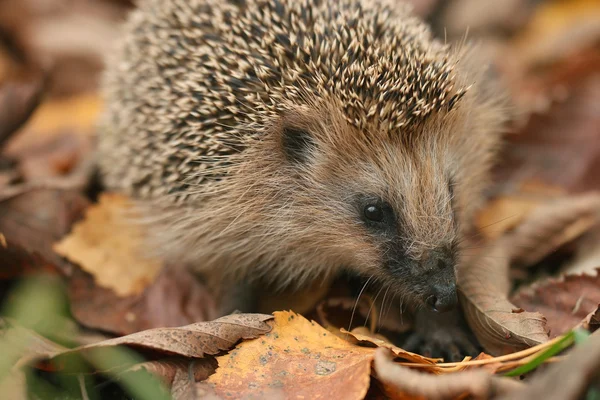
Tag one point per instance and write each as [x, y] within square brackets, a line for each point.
[285, 141]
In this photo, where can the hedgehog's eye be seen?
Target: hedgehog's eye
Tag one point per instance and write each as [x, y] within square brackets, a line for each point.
[373, 212]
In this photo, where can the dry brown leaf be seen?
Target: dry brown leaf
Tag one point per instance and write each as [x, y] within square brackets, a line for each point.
[499, 325]
[552, 225]
[357, 338]
[180, 374]
[195, 340]
[560, 146]
[586, 254]
[399, 379]
[110, 247]
[37, 219]
[175, 298]
[592, 320]
[565, 301]
[568, 379]
[297, 359]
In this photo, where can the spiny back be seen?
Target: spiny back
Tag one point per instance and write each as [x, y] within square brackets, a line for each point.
[194, 79]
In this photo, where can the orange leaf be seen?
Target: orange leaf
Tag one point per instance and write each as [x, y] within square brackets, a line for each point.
[297, 359]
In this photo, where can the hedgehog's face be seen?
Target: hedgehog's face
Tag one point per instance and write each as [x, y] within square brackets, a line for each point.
[377, 207]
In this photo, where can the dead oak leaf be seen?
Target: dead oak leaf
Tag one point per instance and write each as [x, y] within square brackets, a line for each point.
[483, 293]
[357, 338]
[195, 340]
[484, 283]
[403, 383]
[298, 359]
[564, 301]
[175, 298]
[109, 246]
[179, 374]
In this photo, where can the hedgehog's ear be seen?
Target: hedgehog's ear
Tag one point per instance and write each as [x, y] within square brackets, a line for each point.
[296, 143]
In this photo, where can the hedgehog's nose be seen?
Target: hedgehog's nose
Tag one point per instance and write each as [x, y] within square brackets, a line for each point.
[442, 297]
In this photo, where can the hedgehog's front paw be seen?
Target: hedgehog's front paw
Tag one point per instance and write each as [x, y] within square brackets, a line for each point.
[444, 335]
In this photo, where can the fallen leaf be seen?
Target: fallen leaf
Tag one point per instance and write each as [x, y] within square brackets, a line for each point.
[110, 247]
[560, 147]
[35, 220]
[357, 338]
[297, 359]
[585, 257]
[17, 262]
[484, 283]
[564, 301]
[175, 298]
[404, 381]
[550, 226]
[592, 320]
[180, 374]
[194, 340]
[483, 290]
[582, 367]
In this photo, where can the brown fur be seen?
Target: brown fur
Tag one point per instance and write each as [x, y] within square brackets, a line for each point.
[205, 160]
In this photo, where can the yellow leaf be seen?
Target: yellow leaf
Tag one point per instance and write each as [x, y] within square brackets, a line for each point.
[109, 247]
[298, 359]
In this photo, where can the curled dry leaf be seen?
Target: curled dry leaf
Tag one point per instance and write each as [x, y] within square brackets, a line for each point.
[403, 382]
[195, 340]
[110, 247]
[592, 321]
[483, 292]
[484, 282]
[297, 359]
[568, 379]
[357, 338]
[565, 301]
[180, 374]
[550, 226]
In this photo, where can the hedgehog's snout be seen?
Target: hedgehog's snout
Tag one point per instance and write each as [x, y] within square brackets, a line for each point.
[441, 280]
[442, 297]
